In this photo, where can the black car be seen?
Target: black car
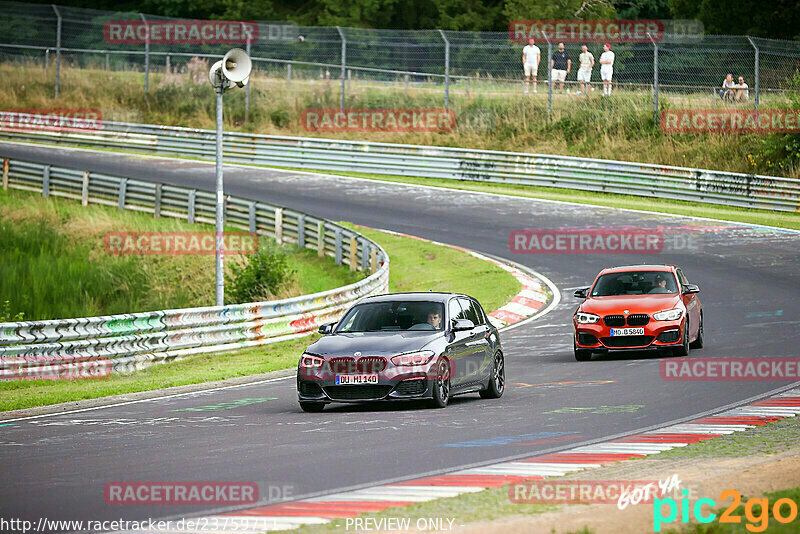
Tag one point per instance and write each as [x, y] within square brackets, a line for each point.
[404, 346]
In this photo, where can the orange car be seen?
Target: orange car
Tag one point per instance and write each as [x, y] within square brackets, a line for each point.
[638, 307]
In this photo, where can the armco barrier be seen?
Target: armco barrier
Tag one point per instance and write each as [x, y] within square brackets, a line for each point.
[130, 341]
[645, 180]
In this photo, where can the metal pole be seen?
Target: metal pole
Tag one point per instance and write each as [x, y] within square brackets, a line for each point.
[247, 87]
[220, 248]
[288, 74]
[549, 75]
[108, 67]
[167, 66]
[446, 69]
[146, 55]
[58, 50]
[756, 66]
[344, 65]
[655, 79]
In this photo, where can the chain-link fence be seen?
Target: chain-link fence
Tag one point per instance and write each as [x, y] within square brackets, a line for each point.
[690, 68]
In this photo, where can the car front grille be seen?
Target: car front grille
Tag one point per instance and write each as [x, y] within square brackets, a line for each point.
[626, 341]
[358, 392]
[345, 365]
[614, 320]
[638, 319]
[371, 364]
[411, 387]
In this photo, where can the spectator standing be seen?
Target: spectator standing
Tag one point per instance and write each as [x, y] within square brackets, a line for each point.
[561, 64]
[742, 93]
[531, 55]
[607, 68]
[586, 64]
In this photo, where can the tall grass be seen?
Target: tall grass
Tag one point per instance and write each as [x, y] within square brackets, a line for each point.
[491, 116]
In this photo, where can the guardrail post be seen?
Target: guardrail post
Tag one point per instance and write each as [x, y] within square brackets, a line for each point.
[373, 260]
[46, 182]
[251, 217]
[123, 189]
[85, 189]
[365, 247]
[321, 239]
[353, 253]
[5, 174]
[446, 69]
[753, 44]
[344, 66]
[338, 247]
[301, 231]
[157, 206]
[190, 208]
[279, 225]
[58, 50]
[146, 54]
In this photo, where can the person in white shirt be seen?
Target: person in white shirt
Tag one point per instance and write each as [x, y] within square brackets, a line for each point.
[530, 63]
[607, 68]
[742, 93]
[586, 60]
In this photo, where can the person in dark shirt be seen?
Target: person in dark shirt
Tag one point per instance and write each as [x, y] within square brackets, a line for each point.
[560, 64]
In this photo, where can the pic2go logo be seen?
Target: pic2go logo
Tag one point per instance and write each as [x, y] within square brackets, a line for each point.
[756, 511]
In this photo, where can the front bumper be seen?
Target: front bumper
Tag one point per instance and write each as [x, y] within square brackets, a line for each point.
[657, 335]
[394, 383]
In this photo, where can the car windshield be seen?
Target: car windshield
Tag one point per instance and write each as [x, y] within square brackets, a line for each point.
[635, 283]
[393, 315]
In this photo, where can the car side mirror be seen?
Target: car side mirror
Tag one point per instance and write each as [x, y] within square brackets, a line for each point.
[460, 325]
[326, 328]
[582, 293]
[690, 289]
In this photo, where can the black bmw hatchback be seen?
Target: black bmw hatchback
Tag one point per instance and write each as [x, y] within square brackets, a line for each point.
[404, 346]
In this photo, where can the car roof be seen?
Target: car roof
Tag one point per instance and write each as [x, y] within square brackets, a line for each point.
[422, 296]
[641, 267]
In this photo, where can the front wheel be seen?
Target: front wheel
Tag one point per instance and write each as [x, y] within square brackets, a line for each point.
[497, 382]
[582, 355]
[441, 386]
[312, 407]
[683, 349]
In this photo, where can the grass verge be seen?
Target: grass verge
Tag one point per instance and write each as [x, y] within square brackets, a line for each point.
[416, 266]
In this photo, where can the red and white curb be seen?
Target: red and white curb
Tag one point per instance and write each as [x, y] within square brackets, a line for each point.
[533, 296]
[339, 506]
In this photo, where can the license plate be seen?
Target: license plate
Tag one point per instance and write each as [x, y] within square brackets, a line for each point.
[627, 332]
[356, 380]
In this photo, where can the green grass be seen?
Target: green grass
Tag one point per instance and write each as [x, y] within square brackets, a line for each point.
[53, 263]
[415, 266]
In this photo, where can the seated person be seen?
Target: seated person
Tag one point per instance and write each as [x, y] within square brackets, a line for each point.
[726, 93]
[661, 285]
[742, 93]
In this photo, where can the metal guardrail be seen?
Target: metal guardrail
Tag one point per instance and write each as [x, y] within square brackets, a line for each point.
[639, 179]
[86, 346]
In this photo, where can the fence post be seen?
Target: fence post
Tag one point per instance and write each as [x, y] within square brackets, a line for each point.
[655, 78]
[123, 189]
[756, 67]
[146, 54]
[446, 69]
[5, 174]
[301, 231]
[549, 75]
[108, 66]
[46, 59]
[321, 239]
[467, 82]
[85, 189]
[167, 66]
[288, 74]
[407, 77]
[190, 208]
[58, 50]
[344, 65]
[46, 182]
[247, 87]
[157, 206]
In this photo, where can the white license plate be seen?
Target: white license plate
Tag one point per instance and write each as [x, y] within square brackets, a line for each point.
[356, 380]
[627, 332]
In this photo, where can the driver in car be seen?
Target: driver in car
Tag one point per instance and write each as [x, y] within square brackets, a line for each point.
[434, 319]
[661, 285]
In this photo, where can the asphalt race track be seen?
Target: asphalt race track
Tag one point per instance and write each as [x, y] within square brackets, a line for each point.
[57, 466]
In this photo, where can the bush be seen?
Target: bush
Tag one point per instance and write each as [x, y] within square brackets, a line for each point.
[261, 277]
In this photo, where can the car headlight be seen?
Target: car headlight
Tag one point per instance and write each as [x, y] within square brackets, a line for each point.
[309, 361]
[414, 358]
[668, 315]
[586, 318]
